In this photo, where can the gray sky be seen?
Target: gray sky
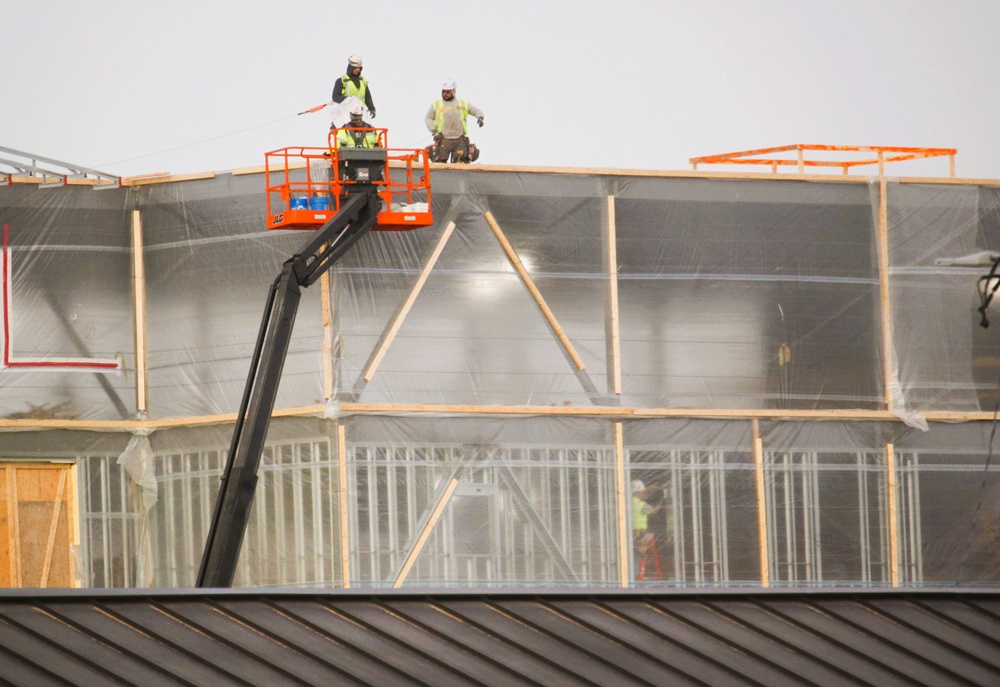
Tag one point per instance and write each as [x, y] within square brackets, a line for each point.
[631, 84]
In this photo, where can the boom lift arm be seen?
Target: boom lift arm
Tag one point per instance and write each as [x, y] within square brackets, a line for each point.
[357, 216]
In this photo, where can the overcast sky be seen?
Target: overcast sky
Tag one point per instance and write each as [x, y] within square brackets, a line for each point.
[134, 87]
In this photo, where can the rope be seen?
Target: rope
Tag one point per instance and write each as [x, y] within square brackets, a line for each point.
[195, 143]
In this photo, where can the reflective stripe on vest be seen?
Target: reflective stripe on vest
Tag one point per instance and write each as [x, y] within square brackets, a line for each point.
[440, 107]
[348, 87]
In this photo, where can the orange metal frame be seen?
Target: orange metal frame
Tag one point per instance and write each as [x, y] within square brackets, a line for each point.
[305, 187]
[883, 154]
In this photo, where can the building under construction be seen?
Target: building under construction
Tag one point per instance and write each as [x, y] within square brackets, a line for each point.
[802, 388]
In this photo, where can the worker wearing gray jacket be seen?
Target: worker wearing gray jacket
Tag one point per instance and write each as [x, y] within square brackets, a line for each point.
[447, 120]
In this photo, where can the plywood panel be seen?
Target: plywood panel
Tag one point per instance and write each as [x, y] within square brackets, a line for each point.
[36, 525]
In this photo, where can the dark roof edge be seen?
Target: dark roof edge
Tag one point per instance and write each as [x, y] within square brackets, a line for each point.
[504, 593]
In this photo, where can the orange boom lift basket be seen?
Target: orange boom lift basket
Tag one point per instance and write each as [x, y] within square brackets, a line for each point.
[306, 185]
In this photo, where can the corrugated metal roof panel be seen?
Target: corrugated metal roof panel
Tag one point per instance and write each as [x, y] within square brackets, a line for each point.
[626, 637]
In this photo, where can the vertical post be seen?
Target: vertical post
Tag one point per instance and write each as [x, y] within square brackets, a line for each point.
[325, 304]
[951, 166]
[74, 529]
[881, 164]
[613, 339]
[622, 498]
[888, 350]
[890, 461]
[13, 528]
[345, 538]
[802, 166]
[139, 310]
[758, 459]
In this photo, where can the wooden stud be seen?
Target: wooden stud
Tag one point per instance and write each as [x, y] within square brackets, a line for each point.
[614, 343]
[622, 498]
[425, 533]
[53, 528]
[762, 540]
[74, 527]
[397, 321]
[535, 293]
[345, 531]
[139, 304]
[888, 351]
[890, 461]
[326, 306]
[13, 528]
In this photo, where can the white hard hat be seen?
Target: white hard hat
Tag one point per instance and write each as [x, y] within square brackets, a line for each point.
[637, 485]
[355, 60]
[449, 85]
[357, 109]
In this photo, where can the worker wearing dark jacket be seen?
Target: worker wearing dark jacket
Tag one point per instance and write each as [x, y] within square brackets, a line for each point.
[352, 83]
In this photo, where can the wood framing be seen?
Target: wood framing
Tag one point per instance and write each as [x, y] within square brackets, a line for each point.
[418, 546]
[613, 334]
[889, 371]
[345, 530]
[326, 306]
[761, 486]
[139, 305]
[622, 499]
[890, 467]
[38, 527]
[535, 293]
[393, 326]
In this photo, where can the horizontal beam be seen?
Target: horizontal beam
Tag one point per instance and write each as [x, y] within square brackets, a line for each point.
[498, 411]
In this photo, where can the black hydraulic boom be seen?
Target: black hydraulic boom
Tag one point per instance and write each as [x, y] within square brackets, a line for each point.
[357, 216]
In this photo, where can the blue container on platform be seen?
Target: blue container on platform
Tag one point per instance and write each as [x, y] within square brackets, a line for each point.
[298, 204]
[319, 203]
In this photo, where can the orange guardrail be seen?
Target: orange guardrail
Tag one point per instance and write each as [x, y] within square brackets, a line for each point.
[883, 155]
[306, 185]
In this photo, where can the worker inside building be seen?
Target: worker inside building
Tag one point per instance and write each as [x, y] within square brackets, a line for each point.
[650, 534]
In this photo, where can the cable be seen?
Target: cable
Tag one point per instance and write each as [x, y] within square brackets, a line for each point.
[982, 489]
[207, 140]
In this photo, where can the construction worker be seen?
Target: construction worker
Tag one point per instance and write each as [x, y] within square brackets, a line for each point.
[352, 84]
[447, 120]
[642, 538]
[358, 133]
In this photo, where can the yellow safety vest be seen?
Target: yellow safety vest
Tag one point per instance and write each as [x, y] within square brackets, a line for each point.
[640, 521]
[348, 87]
[368, 139]
[440, 107]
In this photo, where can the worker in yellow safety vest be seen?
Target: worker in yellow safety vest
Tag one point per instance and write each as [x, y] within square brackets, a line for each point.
[447, 120]
[353, 84]
[358, 133]
[642, 538]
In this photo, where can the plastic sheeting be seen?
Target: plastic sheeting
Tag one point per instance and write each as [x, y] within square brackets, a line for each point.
[734, 294]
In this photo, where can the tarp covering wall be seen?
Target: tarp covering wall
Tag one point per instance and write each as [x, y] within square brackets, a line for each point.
[734, 296]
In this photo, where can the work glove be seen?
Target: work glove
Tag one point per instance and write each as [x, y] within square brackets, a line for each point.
[373, 113]
[480, 120]
[438, 136]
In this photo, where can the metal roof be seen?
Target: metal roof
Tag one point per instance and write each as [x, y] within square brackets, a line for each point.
[440, 638]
